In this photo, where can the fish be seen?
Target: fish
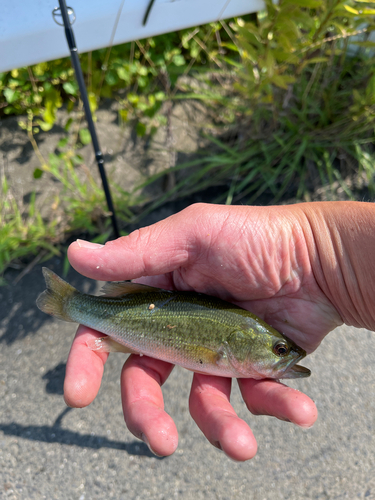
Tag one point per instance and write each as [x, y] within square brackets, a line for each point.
[196, 331]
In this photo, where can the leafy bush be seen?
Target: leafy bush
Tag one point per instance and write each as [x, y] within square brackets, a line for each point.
[139, 75]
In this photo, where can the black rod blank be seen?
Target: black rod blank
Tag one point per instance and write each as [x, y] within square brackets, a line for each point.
[148, 10]
[82, 88]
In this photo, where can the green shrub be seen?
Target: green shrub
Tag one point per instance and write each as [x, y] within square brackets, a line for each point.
[300, 99]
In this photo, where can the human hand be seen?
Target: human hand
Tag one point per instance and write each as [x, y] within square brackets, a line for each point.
[258, 258]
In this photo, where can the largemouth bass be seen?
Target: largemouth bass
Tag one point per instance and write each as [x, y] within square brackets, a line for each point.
[199, 332]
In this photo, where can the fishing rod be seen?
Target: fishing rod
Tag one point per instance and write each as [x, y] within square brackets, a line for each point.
[69, 33]
[82, 88]
[147, 13]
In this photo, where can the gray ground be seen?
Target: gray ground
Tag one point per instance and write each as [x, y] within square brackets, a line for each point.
[50, 451]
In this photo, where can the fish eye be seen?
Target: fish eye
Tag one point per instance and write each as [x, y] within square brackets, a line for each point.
[281, 348]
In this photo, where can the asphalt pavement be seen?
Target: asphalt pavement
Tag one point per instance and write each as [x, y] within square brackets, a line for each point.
[50, 451]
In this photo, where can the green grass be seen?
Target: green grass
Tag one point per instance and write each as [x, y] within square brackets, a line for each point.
[22, 232]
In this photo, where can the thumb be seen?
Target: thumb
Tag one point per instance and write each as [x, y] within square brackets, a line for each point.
[150, 251]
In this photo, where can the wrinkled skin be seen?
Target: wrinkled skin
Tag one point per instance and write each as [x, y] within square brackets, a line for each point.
[279, 262]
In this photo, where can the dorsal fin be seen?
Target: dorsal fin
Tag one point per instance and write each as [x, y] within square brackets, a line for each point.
[118, 288]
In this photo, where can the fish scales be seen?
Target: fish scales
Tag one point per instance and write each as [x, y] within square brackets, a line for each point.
[184, 322]
[199, 332]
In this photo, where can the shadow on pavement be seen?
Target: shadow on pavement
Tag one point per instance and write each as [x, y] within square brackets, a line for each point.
[55, 379]
[55, 434]
[19, 316]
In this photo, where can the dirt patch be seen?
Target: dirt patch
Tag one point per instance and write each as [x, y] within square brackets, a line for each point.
[129, 160]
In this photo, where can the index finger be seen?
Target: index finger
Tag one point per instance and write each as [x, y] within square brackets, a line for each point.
[271, 397]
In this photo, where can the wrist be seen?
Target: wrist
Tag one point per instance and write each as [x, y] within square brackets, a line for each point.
[341, 244]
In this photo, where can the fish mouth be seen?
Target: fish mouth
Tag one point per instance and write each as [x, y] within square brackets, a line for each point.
[296, 371]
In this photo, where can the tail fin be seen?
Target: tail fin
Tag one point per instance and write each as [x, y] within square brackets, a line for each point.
[52, 301]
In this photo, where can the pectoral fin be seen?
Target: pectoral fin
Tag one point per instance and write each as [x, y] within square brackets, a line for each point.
[206, 356]
[106, 344]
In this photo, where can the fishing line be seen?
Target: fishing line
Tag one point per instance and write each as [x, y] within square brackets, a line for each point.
[114, 29]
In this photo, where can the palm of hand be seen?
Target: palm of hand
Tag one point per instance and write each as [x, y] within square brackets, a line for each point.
[264, 267]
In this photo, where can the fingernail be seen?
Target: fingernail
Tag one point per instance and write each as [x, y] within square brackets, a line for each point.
[89, 244]
[67, 404]
[306, 426]
[219, 447]
[145, 440]
[231, 458]
[285, 419]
